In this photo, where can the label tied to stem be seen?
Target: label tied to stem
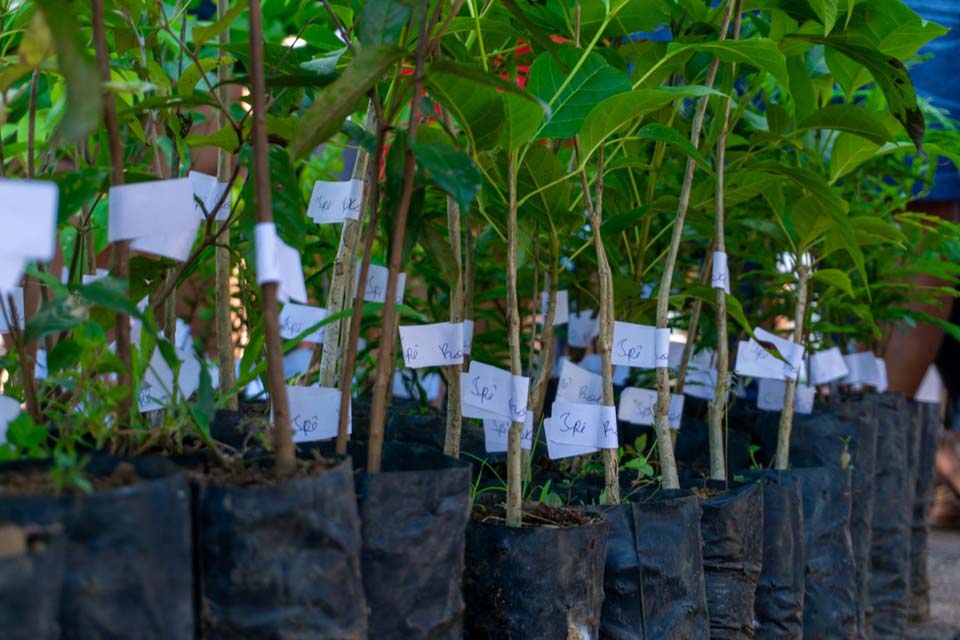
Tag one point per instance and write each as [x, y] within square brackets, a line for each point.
[720, 276]
[662, 348]
[268, 259]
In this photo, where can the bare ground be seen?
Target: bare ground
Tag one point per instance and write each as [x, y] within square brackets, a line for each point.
[944, 567]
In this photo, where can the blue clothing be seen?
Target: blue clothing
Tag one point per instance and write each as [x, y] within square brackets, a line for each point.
[937, 80]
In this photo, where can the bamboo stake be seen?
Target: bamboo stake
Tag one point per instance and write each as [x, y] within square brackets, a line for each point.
[668, 464]
[282, 434]
[224, 321]
[121, 249]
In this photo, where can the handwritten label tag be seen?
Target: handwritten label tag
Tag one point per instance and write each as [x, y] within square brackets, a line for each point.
[332, 202]
[467, 336]
[755, 361]
[582, 328]
[676, 354]
[278, 262]
[432, 345]
[376, 290]
[661, 348]
[702, 375]
[576, 384]
[561, 314]
[9, 410]
[209, 191]
[720, 276]
[880, 381]
[557, 450]
[147, 209]
[28, 217]
[175, 246]
[314, 413]
[297, 318]
[772, 393]
[827, 366]
[862, 366]
[634, 345]
[16, 311]
[585, 424]
[496, 434]
[11, 272]
[803, 402]
[639, 406]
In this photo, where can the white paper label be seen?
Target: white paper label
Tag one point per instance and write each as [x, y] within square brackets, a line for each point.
[576, 384]
[880, 381]
[585, 424]
[557, 450]
[207, 190]
[333, 202]
[827, 366]
[639, 407]
[11, 272]
[376, 290]
[9, 410]
[662, 348]
[314, 413]
[16, 311]
[467, 336]
[755, 361]
[862, 366]
[561, 314]
[582, 328]
[772, 393]
[175, 246]
[28, 218]
[496, 434]
[720, 277]
[634, 345]
[803, 401]
[495, 391]
[702, 375]
[278, 262]
[432, 345]
[297, 318]
[147, 209]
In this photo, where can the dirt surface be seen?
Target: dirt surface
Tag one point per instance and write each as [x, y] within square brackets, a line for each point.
[944, 567]
[41, 482]
[535, 514]
[247, 475]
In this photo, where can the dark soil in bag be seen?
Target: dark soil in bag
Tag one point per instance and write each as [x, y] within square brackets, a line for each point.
[653, 578]
[732, 529]
[413, 516]
[929, 438]
[779, 600]
[892, 519]
[830, 596]
[281, 561]
[31, 580]
[128, 546]
[542, 581]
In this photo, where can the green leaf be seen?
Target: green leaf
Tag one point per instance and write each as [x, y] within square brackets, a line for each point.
[452, 170]
[760, 53]
[834, 278]
[522, 119]
[572, 97]
[478, 108]
[78, 188]
[892, 28]
[202, 35]
[110, 293]
[849, 152]
[875, 126]
[826, 11]
[60, 314]
[669, 135]
[191, 75]
[325, 64]
[64, 355]
[381, 21]
[84, 100]
[339, 99]
[225, 138]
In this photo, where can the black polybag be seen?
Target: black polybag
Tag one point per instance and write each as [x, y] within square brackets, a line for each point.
[413, 516]
[282, 561]
[892, 516]
[929, 439]
[732, 529]
[830, 597]
[534, 583]
[780, 589]
[693, 448]
[30, 587]
[129, 552]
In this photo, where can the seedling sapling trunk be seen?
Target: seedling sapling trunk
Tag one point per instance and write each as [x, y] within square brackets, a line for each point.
[282, 434]
[514, 437]
[789, 400]
[668, 464]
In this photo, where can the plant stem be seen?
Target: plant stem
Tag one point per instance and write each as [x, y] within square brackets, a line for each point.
[695, 310]
[451, 442]
[538, 390]
[121, 249]
[224, 321]
[668, 464]
[388, 327]
[282, 434]
[786, 416]
[717, 408]
[514, 438]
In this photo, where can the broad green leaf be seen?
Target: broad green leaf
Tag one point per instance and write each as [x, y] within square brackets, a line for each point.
[876, 126]
[202, 35]
[626, 220]
[191, 75]
[60, 314]
[760, 53]
[381, 21]
[225, 138]
[669, 135]
[452, 170]
[64, 355]
[476, 107]
[849, 152]
[110, 293]
[36, 44]
[84, 101]
[850, 75]
[522, 119]
[78, 188]
[834, 278]
[572, 95]
[337, 100]
[826, 11]
[325, 64]
[892, 28]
